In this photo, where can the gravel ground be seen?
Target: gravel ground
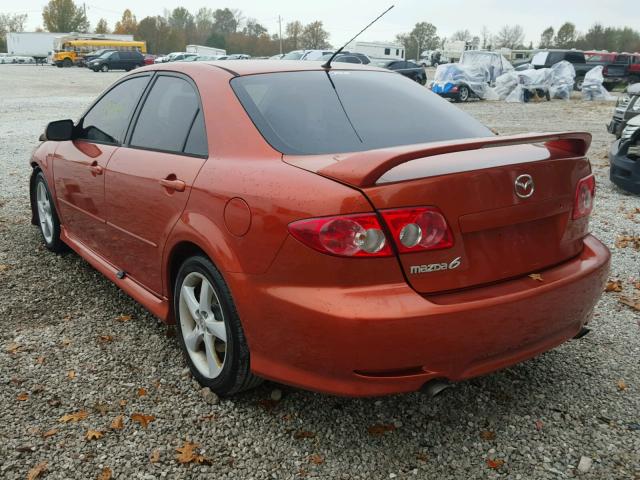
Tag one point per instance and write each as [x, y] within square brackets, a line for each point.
[72, 342]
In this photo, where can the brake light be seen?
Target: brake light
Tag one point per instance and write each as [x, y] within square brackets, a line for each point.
[585, 191]
[357, 235]
[418, 229]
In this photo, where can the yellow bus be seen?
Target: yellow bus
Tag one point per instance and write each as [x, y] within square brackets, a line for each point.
[68, 52]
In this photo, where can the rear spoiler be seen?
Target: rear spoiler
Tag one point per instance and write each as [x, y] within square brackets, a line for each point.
[363, 169]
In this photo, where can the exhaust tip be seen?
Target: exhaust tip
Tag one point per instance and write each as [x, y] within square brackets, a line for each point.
[583, 331]
[433, 388]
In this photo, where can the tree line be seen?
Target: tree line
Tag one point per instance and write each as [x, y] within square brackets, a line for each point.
[232, 30]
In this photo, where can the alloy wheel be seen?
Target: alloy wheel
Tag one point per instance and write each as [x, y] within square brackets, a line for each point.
[202, 324]
[45, 216]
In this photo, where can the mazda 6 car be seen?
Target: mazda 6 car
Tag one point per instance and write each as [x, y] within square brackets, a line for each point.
[338, 229]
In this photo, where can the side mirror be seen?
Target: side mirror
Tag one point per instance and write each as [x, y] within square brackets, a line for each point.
[59, 131]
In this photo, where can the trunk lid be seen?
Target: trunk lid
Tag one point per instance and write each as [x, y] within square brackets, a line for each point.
[498, 234]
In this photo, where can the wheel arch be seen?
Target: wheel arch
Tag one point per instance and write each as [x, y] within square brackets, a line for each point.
[35, 169]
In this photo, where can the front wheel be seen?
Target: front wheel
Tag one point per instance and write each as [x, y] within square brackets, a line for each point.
[104, 68]
[67, 63]
[209, 329]
[46, 214]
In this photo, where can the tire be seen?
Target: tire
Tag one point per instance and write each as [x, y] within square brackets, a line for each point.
[222, 364]
[104, 67]
[46, 215]
[58, 64]
[67, 63]
[578, 84]
[464, 94]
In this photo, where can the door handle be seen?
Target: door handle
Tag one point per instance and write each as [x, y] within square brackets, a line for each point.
[95, 168]
[173, 184]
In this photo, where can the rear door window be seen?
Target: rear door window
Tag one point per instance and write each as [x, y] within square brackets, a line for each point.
[108, 119]
[317, 112]
[169, 112]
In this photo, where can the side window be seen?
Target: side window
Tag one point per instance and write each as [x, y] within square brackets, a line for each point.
[108, 119]
[167, 115]
[197, 139]
[115, 56]
[387, 51]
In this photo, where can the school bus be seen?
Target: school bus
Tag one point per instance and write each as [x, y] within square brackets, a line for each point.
[71, 51]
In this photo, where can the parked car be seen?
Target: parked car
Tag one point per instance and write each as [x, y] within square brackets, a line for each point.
[625, 68]
[461, 83]
[627, 107]
[239, 56]
[624, 158]
[548, 58]
[495, 64]
[285, 217]
[306, 54]
[149, 59]
[405, 67]
[174, 56]
[347, 57]
[123, 60]
[93, 55]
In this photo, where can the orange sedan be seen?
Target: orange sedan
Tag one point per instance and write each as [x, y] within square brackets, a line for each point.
[339, 229]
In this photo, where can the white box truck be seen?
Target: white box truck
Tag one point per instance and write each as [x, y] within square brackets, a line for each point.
[31, 44]
[202, 50]
[377, 49]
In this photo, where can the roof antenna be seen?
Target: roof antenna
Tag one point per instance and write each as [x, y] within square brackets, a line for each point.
[328, 64]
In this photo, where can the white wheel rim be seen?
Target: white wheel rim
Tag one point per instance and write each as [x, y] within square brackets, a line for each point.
[464, 94]
[45, 215]
[202, 325]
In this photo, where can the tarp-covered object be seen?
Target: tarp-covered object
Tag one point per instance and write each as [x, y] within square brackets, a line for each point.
[593, 85]
[450, 75]
[564, 77]
[531, 81]
[505, 84]
[494, 63]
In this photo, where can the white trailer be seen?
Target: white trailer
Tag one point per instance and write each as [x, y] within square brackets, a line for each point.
[31, 44]
[202, 50]
[377, 49]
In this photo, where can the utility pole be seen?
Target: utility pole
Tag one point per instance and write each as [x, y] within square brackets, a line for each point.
[280, 32]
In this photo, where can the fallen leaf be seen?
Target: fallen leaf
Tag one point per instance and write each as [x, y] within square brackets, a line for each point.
[380, 429]
[624, 241]
[101, 407]
[124, 318]
[40, 360]
[93, 435]
[268, 404]
[122, 403]
[300, 434]
[13, 348]
[155, 456]
[50, 433]
[536, 276]
[71, 374]
[141, 392]
[23, 396]
[539, 425]
[118, 423]
[105, 474]
[188, 454]
[622, 386]
[488, 435]
[3, 267]
[633, 303]
[613, 286]
[637, 285]
[74, 417]
[36, 471]
[105, 338]
[316, 459]
[423, 457]
[66, 342]
[142, 419]
[495, 464]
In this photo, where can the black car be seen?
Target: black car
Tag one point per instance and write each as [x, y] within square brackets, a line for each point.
[624, 157]
[119, 60]
[98, 53]
[407, 68]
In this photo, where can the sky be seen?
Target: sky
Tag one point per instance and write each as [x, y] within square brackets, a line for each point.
[343, 19]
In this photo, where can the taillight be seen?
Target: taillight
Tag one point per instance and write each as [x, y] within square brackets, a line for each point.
[585, 191]
[418, 229]
[357, 235]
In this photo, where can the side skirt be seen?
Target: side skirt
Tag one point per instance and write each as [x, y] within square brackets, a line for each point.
[158, 306]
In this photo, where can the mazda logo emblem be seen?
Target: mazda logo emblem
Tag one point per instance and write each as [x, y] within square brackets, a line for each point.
[524, 186]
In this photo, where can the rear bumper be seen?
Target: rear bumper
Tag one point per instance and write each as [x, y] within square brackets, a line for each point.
[624, 171]
[389, 339]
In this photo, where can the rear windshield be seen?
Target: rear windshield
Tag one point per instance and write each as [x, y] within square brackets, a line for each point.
[315, 112]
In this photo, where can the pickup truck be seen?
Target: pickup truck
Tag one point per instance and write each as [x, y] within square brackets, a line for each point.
[548, 58]
[618, 67]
